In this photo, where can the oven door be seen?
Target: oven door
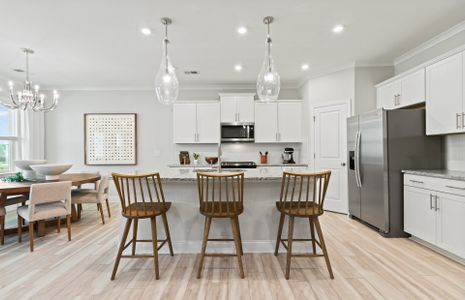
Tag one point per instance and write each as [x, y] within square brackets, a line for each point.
[237, 132]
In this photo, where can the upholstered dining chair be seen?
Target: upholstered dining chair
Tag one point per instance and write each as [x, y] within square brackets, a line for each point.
[2, 224]
[46, 201]
[303, 196]
[142, 197]
[97, 196]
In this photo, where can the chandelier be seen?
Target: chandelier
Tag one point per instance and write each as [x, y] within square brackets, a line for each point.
[30, 96]
[166, 81]
[268, 81]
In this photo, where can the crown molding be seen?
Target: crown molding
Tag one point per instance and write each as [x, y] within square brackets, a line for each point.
[325, 72]
[454, 30]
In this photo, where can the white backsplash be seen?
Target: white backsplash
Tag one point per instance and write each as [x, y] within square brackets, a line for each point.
[240, 151]
[455, 152]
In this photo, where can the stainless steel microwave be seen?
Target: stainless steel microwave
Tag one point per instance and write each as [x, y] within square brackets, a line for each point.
[237, 132]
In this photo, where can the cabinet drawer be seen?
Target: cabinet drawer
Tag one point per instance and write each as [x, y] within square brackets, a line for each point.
[456, 187]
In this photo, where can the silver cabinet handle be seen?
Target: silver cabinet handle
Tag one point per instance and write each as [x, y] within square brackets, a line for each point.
[430, 201]
[463, 120]
[455, 187]
[436, 208]
[416, 181]
[457, 120]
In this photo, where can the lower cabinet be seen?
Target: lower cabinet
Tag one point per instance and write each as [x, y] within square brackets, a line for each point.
[433, 213]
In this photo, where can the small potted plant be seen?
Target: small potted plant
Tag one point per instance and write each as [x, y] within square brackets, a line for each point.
[196, 158]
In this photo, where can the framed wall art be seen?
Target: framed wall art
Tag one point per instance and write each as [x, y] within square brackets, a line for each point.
[110, 139]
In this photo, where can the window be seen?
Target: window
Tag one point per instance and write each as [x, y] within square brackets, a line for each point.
[7, 139]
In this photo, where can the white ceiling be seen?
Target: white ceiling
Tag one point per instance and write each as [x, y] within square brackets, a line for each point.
[98, 44]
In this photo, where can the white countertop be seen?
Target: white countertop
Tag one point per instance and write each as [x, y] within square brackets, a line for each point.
[258, 165]
[448, 174]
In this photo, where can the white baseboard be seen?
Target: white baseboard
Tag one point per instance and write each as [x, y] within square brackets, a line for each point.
[439, 250]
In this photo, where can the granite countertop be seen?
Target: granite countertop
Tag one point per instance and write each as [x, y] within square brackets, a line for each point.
[447, 174]
[258, 174]
[215, 166]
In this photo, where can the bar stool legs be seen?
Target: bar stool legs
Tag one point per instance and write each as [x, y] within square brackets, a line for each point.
[153, 222]
[121, 247]
[238, 243]
[290, 238]
[167, 231]
[206, 231]
[280, 232]
[323, 247]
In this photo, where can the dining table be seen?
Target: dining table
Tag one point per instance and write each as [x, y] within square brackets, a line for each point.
[18, 192]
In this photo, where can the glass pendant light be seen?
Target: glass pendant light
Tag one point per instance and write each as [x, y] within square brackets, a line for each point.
[166, 81]
[268, 81]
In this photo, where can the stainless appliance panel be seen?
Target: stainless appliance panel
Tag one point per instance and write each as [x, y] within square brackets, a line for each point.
[354, 190]
[237, 132]
[372, 169]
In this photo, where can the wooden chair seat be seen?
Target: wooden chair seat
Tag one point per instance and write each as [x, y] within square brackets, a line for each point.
[222, 209]
[300, 209]
[147, 210]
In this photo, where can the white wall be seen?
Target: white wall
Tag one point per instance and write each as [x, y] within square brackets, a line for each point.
[454, 144]
[365, 92]
[64, 127]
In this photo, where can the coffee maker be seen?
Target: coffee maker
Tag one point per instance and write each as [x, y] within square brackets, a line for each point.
[288, 156]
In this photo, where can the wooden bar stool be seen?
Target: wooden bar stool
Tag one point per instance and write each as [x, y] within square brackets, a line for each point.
[221, 196]
[303, 196]
[141, 197]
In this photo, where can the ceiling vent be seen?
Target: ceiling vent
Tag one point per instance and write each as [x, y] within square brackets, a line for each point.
[191, 72]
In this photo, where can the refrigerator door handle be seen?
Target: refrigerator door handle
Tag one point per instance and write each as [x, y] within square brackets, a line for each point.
[357, 159]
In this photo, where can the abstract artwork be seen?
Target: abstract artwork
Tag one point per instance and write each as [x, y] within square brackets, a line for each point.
[110, 139]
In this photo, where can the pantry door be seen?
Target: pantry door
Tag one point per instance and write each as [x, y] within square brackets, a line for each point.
[330, 151]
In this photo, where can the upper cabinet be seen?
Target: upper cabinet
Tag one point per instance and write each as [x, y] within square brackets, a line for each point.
[445, 102]
[278, 122]
[196, 123]
[402, 91]
[237, 108]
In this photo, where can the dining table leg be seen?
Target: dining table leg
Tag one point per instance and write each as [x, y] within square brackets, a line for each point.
[74, 214]
[41, 228]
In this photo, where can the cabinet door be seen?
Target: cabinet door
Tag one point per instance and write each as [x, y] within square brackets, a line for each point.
[266, 122]
[184, 123]
[290, 122]
[228, 110]
[419, 214]
[245, 109]
[451, 223]
[444, 84]
[386, 95]
[413, 88]
[208, 122]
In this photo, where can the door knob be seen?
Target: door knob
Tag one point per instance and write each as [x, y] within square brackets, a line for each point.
[343, 164]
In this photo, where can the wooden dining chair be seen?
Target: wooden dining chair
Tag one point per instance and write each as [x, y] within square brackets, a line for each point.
[221, 195]
[303, 196]
[46, 201]
[98, 196]
[2, 224]
[142, 197]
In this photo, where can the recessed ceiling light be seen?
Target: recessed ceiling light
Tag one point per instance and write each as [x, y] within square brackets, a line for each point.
[338, 28]
[238, 68]
[242, 30]
[146, 31]
[305, 67]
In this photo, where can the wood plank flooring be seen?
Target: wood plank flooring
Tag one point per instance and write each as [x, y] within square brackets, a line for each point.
[366, 266]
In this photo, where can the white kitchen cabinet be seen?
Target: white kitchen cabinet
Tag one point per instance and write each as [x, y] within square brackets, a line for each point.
[412, 88]
[419, 215]
[434, 210]
[208, 123]
[237, 108]
[266, 122]
[196, 123]
[451, 223]
[184, 123]
[387, 95]
[444, 96]
[403, 91]
[278, 122]
[290, 122]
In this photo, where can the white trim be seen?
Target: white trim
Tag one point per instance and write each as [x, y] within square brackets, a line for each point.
[438, 250]
[229, 95]
[325, 72]
[431, 43]
[423, 65]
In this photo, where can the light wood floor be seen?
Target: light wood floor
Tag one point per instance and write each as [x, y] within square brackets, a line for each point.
[366, 266]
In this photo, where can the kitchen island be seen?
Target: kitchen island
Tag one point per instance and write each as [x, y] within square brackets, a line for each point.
[259, 222]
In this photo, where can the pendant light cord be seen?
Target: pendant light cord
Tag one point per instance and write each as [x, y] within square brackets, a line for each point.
[268, 43]
[27, 66]
[165, 42]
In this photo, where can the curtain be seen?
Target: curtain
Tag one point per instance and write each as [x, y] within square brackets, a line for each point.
[30, 128]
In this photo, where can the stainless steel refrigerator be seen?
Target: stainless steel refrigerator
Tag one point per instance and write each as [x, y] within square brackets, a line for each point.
[381, 144]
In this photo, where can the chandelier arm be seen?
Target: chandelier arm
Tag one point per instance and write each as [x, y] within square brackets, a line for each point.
[9, 105]
[51, 107]
[14, 100]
